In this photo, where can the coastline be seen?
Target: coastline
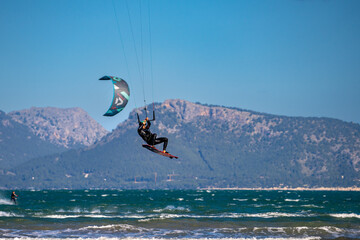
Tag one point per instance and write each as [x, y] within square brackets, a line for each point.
[345, 189]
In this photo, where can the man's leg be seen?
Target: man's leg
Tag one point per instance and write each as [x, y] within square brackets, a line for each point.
[162, 140]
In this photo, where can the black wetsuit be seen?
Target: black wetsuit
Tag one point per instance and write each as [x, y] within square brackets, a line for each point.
[13, 197]
[151, 138]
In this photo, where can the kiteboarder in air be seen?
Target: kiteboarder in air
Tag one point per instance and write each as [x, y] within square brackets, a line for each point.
[150, 138]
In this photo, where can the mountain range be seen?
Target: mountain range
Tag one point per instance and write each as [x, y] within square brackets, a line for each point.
[36, 132]
[217, 147]
[69, 127]
[18, 144]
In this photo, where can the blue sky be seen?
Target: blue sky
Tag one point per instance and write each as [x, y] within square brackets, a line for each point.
[295, 58]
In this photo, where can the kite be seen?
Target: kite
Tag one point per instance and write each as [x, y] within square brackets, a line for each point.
[121, 95]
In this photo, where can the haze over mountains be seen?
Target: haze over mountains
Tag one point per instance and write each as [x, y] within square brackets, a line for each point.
[218, 147]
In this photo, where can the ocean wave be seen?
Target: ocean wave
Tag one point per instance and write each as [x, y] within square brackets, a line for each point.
[64, 216]
[172, 208]
[79, 210]
[142, 238]
[333, 231]
[132, 232]
[7, 214]
[240, 199]
[292, 200]
[96, 210]
[272, 230]
[5, 202]
[227, 215]
[73, 210]
[170, 212]
[291, 231]
[274, 215]
[345, 215]
[115, 227]
[312, 206]
[259, 205]
[74, 216]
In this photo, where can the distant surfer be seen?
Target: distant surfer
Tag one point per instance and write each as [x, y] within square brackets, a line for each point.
[13, 197]
[150, 138]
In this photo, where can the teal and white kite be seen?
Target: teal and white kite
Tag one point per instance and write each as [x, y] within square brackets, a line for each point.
[121, 95]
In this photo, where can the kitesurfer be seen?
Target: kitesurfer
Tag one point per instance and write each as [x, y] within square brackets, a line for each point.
[150, 138]
[13, 197]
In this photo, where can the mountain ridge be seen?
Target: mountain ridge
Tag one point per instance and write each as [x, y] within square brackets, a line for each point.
[66, 127]
[217, 146]
[18, 144]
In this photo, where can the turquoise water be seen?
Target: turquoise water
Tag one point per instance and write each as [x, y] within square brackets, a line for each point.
[180, 214]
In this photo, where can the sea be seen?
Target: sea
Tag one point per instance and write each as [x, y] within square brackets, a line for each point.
[180, 214]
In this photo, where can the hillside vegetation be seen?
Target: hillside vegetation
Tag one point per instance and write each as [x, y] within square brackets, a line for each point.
[217, 147]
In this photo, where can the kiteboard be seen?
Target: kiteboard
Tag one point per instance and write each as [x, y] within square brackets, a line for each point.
[155, 150]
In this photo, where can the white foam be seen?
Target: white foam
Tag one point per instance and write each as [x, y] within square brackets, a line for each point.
[305, 231]
[312, 206]
[171, 208]
[78, 210]
[299, 229]
[96, 210]
[74, 216]
[258, 205]
[141, 238]
[332, 230]
[292, 200]
[240, 199]
[5, 202]
[112, 227]
[226, 215]
[272, 215]
[345, 215]
[7, 214]
[276, 230]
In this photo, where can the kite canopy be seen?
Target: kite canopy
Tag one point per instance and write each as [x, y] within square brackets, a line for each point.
[121, 95]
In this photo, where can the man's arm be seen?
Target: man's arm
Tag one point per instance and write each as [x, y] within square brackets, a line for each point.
[139, 128]
[138, 118]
